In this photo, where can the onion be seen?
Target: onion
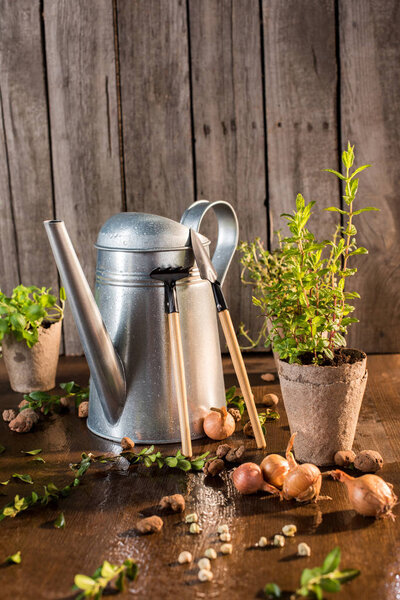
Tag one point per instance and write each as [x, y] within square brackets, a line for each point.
[274, 469]
[248, 479]
[302, 482]
[369, 495]
[219, 424]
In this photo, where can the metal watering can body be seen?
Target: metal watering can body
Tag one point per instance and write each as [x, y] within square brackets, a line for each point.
[124, 329]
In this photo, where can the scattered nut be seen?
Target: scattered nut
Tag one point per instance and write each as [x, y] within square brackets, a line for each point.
[235, 414]
[248, 429]
[223, 528]
[226, 548]
[223, 450]
[303, 549]
[268, 377]
[83, 409]
[9, 415]
[279, 540]
[214, 467]
[204, 563]
[127, 443]
[368, 461]
[192, 518]
[235, 454]
[149, 525]
[225, 537]
[176, 503]
[185, 557]
[205, 575]
[262, 542]
[289, 530]
[344, 458]
[194, 528]
[210, 553]
[270, 400]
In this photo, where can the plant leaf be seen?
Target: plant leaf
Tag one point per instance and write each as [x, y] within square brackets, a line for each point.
[272, 590]
[32, 452]
[59, 523]
[24, 478]
[38, 459]
[331, 561]
[330, 585]
[14, 558]
[2, 449]
[346, 575]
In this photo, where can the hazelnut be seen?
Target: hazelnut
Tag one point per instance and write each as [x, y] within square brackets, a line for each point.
[214, 467]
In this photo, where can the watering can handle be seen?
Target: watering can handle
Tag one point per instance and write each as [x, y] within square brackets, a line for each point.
[228, 231]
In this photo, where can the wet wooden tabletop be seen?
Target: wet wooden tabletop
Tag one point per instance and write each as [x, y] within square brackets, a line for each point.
[101, 513]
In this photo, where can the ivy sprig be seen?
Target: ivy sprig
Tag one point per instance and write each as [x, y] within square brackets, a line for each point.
[94, 586]
[52, 402]
[233, 400]
[314, 582]
[148, 458]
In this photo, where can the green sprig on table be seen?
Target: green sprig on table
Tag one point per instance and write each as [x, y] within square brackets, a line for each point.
[233, 400]
[94, 586]
[314, 582]
[52, 402]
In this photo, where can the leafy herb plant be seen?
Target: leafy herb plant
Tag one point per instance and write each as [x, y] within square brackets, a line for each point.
[93, 587]
[314, 582]
[27, 309]
[305, 300]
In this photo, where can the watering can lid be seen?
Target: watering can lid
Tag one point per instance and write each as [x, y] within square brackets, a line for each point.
[142, 232]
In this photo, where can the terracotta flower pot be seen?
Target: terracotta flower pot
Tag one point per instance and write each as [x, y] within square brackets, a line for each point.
[33, 369]
[323, 404]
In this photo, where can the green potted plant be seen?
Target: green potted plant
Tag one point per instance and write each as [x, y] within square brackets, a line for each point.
[30, 333]
[308, 307]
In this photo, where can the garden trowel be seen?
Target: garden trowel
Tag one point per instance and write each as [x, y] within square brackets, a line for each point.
[207, 271]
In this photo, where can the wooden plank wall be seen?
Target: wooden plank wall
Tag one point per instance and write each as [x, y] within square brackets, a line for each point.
[148, 105]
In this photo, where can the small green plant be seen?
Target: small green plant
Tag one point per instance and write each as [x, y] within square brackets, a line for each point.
[304, 301]
[94, 586]
[26, 310]
[233, 400]
[53, 402]
[314, 582]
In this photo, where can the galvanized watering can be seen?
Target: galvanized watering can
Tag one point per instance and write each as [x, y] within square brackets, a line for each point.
[123, 328]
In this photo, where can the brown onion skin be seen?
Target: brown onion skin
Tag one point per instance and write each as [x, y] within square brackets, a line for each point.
[248, 479]
[274, 469]
[369, 494]
[219, 426]
[303, 483]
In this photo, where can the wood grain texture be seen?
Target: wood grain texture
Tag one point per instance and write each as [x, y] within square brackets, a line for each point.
[101, 513]
[25, 171]
[300, 91]
[229, 126]
[153, 41]
[370, 109]
[84, 125]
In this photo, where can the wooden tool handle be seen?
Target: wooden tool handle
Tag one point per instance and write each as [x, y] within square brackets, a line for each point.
[180, 383]
[241, 374]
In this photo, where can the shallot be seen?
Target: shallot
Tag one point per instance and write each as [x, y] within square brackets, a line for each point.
[248, 479]
[274, 469]
[369, 495]
[219, 424]
[302, 482]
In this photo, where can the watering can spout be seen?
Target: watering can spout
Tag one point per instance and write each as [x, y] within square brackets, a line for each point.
[104, 363]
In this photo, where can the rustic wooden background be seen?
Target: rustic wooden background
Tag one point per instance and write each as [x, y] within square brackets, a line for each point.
[148, 105]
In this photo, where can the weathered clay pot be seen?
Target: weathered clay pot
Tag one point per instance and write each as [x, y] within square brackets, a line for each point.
[33, 369]
[322, 405]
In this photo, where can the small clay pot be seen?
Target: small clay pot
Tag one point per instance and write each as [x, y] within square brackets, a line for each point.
[33, 369]
[322, 405]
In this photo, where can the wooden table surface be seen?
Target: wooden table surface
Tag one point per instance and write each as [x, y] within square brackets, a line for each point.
[101, 513]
